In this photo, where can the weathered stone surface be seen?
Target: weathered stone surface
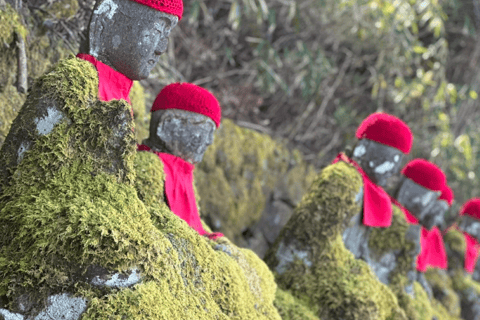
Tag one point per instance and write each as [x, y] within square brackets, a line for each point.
[181, 133]
[378, 160]
[312, 263]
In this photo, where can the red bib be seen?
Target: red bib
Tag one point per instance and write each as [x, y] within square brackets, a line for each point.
[377, 208]
[433, 252]
[471, 253]
[432, 246]
[179, 190]
[112, 85]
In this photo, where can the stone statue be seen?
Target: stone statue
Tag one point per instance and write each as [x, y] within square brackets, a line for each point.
[419, 196]
[182, 126]
[462, 242]
[312, 256]
[84, 102]
[124, 41]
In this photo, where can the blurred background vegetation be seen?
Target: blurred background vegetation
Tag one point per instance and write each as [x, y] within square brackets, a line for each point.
[309, 71]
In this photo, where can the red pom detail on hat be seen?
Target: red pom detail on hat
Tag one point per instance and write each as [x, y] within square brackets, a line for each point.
[386, 129]
[188, 97]
[426, 174]
[173, 7]
[471, 208]
[447, 195]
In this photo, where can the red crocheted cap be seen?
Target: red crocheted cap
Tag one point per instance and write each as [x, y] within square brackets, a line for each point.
[189, 97]
[173, 7]
[426, 174]
[447, 195]
[386, 129]
[471, 208]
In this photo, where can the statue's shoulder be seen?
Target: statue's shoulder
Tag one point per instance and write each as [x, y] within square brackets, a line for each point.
[340, 175]
[70, 79]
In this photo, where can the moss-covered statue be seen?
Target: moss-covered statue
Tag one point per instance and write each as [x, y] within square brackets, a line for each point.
[80, 236]
[182, 126]
[407, 247]
[310, 258]
[125, 39]
[462, 245]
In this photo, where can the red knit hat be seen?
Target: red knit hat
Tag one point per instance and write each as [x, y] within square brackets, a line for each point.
[386, 129]
[447, 195]
[426, 174]
[174, 7]
[471, 208]
[189, 97]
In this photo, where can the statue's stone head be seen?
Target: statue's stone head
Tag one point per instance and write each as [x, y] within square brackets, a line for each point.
[419, 190]
[130, 35]
[469, 220]
[184, 120]
[383, 141]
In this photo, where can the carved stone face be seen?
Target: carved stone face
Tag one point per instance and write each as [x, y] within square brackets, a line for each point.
[129, 36]
[470, 226]
[378, 161]
[181, 133]
[434, 215]
[421, 202]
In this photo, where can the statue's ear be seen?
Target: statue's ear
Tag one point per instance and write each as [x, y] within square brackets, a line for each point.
[102, 15]
[97, 24]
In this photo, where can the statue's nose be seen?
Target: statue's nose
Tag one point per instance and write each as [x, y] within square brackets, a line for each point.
[161, 46]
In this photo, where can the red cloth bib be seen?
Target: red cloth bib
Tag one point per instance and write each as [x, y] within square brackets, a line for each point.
[472, 252]
[377, 208]
[432, 247]
[433, 253]
[112, 85]
[179, 190]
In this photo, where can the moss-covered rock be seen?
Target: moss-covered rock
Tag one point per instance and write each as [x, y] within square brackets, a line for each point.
[239, 173]
[312, 263]
[443, 291]
[458, 293]
[71, 203]
[291, 308]
[41, 51]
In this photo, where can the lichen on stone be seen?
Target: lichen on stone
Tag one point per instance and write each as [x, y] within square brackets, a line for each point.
[141, 117]
[443, 291]
[335, 285]
[234, 179]
[291, 308]
[41, 51]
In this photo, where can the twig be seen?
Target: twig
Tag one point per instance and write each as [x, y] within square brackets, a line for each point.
[253, 126]
[223, 75]
[331, 92]
[22, 72]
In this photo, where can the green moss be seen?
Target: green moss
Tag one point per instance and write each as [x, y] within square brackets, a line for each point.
[10, 22]
[234, 178]
[41, 54]
[327, 276]
[443, 290]
[456, 247]
[142, 118]
[291, 308]
[418, 306]
[64, 9]
[150, 178]
[72, 202]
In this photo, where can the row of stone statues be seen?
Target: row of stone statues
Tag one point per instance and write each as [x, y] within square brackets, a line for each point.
[93, 226]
